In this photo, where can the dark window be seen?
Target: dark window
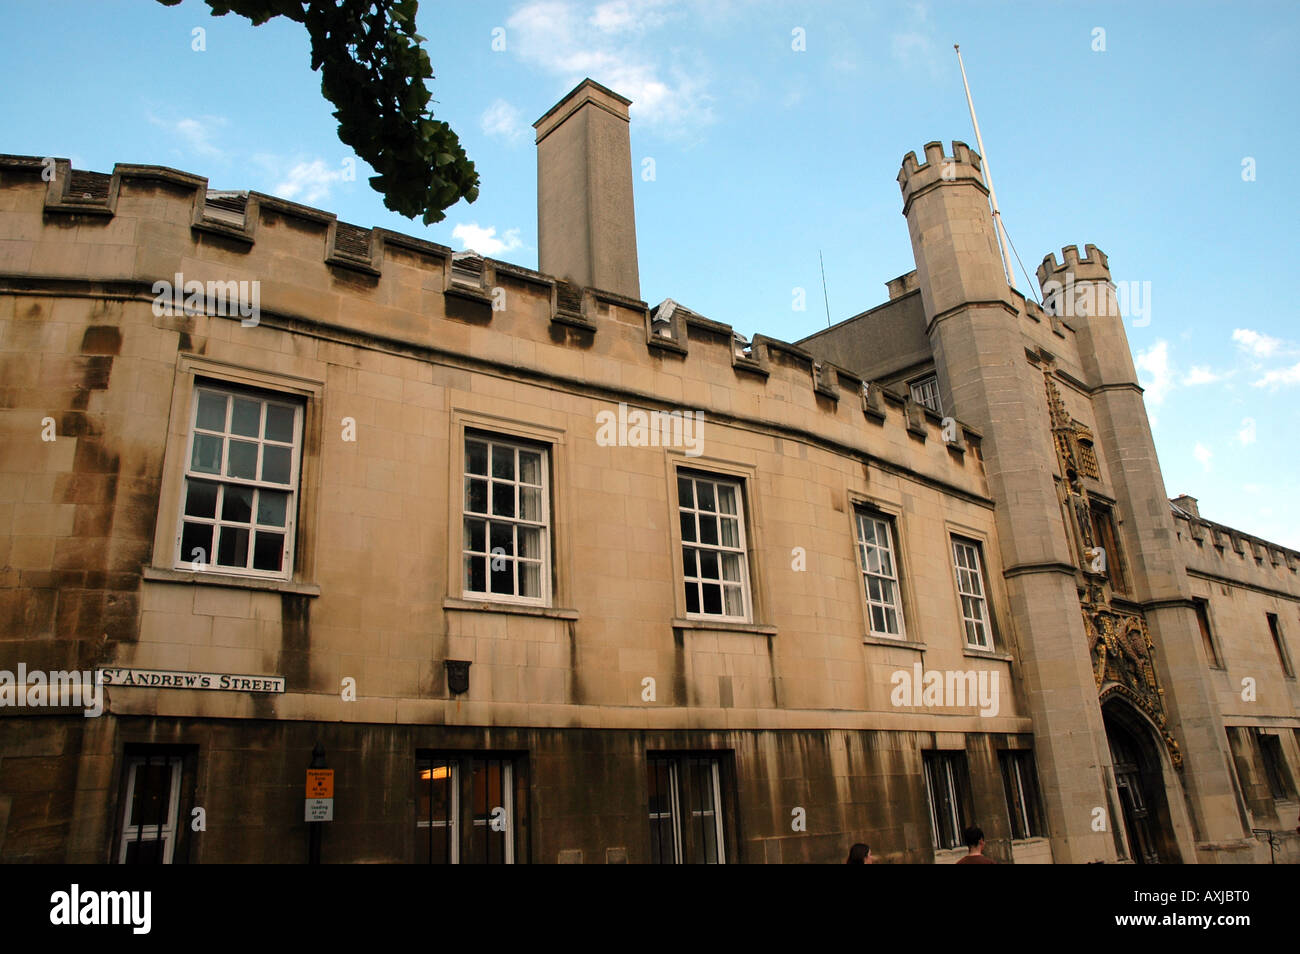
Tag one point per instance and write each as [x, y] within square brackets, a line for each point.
[715, 565]
[1280, 645]
[686, 806]
[151, 818]
[1207, 637]
[1279, 781]
[465, 809]
[1105, 536]
[947, 782]
[1021, 786]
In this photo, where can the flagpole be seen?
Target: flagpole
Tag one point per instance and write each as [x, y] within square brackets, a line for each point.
[998, 227]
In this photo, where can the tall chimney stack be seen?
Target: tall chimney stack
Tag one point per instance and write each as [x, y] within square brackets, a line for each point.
[586, 230]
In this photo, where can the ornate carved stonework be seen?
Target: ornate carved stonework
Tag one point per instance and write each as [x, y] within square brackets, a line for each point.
[1118, 640]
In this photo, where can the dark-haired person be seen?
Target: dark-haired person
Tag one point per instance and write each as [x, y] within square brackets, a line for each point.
[974, 838]
[860, 854]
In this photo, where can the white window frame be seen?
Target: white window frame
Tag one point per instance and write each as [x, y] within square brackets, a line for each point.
[493, 440]
[675, 763]
[741, 550]
[452, 823]
[862, 514]
[925, 392]
[184, 561]
[982, 621]
[166, 833]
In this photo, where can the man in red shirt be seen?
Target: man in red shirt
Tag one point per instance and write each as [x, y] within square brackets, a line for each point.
[974, 838]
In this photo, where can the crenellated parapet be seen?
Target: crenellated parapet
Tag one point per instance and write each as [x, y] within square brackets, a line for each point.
[962, 167]
[1092, 266]
[397, 291]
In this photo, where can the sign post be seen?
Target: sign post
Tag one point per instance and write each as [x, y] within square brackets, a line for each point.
[320, 800]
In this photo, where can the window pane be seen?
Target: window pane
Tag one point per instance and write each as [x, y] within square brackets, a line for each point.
[246, 417]
[685, 492]
[708, 529]
[705, 490]
[727, 498]
[530, 543]
[243, 460]
[692, 597]
[476, 535]
[212, 411]
[688, 527]
[503, 462]
[206, 458]
[196, 536]
[276, 463]
[689, 566]
[731, 567]
[530, 467]
[268, 551]
[237, 504]
[476, 574]
[149, 802]
[530, 504]
[501, 540]
[730, 532]
[200, 499]
[503, 498]
[475, 457]
[709, 565]
[233, 548]
[503, 575]
[735, 598]
[271, 507]
[712, 597]
[279, 423]
[530, 579]
[476, 496]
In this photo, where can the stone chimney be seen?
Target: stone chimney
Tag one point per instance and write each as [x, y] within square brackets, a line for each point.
[1188, 504]
[586, 230]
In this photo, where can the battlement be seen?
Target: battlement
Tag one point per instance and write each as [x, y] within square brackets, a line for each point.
[1093, 266]
[409, 296]
[964, 165]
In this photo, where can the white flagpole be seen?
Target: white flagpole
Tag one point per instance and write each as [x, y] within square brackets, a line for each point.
[988, 176]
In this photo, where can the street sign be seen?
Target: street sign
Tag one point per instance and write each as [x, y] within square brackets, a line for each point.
[320, 796]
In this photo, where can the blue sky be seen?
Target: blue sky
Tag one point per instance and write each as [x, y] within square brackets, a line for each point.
[764, 154]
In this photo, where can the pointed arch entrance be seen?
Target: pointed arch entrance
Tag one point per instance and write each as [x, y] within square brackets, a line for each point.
[1139, 779]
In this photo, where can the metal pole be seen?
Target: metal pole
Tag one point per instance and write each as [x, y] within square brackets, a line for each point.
[988, 176]
[313, 844]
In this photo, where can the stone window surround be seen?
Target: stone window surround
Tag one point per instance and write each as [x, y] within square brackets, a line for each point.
[558, 588]
[745, 475]
[992, 596]
[189, 369]
[893, 515]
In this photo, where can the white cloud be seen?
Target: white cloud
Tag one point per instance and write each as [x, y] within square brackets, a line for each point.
[484, 241]
[309, 182]
[915, 47]
[1284, 376]
[1159, 378]
[503, 121]
[667, 87]
[1256, 344]
[1202, 454]
[1200, 374]
[1247, 433]
[195, 133]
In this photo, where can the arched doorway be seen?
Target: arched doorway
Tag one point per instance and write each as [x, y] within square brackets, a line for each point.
[1140, 784]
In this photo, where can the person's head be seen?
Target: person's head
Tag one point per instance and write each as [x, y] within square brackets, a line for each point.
[974, 838]
[859, 854]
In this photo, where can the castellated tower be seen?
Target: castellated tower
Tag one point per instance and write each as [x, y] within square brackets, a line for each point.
[1080, 290]
[979, 353]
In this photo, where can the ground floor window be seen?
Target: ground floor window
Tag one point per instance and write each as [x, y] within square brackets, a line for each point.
[465, 808]
[686, 810]
[947, 783]
[149, 820]
[1021, 787]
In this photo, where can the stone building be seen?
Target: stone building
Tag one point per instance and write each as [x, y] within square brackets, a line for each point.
[543, 574]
